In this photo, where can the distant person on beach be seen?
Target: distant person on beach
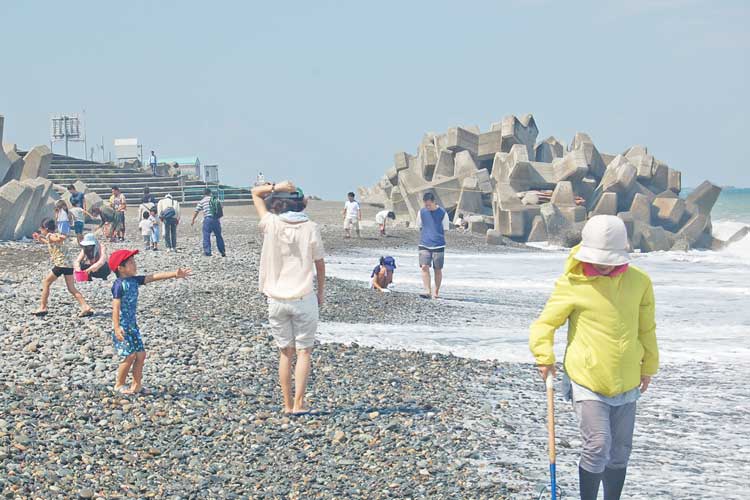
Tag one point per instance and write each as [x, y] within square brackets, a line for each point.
[60, 267]
[126, 336]
[77, 199]
[120, 205]
[106, 216]
[352, 215]
[78, 218]
[212, 211]
[92, 258]
[292, 248]
[153, 163]
[461, 223]
[381, 218]
[146, 227]
[169, 213]
[382, 275]
[62, 217]
[148, 198]
[155, 228]
[611, 353]
[432, 222]
[260, 179]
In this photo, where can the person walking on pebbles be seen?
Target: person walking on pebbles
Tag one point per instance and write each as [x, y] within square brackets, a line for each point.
[126, 336]
[212, 211]
[352, 216]
[611, 351]
[292, 247]
[60, 267]
[432, 222]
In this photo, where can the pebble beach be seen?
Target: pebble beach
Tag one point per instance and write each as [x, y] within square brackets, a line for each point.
[388, 423]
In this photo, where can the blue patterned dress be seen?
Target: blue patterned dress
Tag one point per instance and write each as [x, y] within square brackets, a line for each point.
[126, 289]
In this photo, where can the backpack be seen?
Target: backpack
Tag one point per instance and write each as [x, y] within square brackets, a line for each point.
[169, 213]
[215, 208]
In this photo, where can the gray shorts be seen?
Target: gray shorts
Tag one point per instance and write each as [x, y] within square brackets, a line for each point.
[432, 258]
[607, 434]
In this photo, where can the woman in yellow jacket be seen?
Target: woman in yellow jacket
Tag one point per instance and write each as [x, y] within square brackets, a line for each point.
[611, 351]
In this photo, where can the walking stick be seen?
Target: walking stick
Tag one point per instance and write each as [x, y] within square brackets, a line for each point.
[553, 490]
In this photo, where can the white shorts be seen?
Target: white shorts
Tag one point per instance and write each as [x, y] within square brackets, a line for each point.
[351, 222]
[294, 322]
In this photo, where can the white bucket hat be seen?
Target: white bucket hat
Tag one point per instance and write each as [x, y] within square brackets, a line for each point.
[604, 241]
[88, 240]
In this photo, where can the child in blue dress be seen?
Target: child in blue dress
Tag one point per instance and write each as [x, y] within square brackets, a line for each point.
[126, 335]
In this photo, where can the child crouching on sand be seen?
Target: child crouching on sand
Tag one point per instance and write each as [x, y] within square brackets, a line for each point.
[382, 275]
[126, 336]
[60, 267]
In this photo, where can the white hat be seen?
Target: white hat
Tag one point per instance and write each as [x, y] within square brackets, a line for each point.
[88, 240]
[604, 241]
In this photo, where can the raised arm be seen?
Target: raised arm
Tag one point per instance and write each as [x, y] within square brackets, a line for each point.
[180, 273]
[260, 193]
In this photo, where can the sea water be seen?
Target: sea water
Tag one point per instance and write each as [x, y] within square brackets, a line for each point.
[691, 437]
[702, 297]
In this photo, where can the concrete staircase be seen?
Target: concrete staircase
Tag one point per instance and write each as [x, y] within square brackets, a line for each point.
[100, 177]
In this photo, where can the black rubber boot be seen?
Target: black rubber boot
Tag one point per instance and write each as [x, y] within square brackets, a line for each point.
[613, 481]
[589, 483]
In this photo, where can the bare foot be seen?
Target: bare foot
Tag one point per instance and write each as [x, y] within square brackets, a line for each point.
[134, 389]
[119, 388]
[287, 411]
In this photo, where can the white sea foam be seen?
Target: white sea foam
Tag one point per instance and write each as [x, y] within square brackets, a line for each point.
[702, 297]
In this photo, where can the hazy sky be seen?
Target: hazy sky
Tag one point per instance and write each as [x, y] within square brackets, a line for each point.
[326, 92]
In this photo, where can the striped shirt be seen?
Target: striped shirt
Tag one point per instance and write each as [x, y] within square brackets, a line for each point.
[205, 206]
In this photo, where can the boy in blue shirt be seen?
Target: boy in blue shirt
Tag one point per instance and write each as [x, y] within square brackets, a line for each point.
[126, 336]
[432, 222]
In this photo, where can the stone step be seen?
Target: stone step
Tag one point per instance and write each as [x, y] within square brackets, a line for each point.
[153, 181]
[97, 171]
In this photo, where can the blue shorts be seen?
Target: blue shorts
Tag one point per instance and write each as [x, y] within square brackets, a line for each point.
[131, 344]
[78, 227]
[63, 227]
[155, 234]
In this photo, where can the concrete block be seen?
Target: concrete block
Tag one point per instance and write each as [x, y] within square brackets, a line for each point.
[460, 139]
[506, 198]
[643, 162]
[392, 175]
[619, 176]
[402, 160]
[693, 229]
[702, 199]
[594, 161]
[668, 212]
[445, 166]
[447, 191]
[478, 224]
[738, 235]
[629, 221]
[674, 180]
[572, 167]
[563, 195]
[465, 164]
[5, 162]
[34, 212]
[560, 231]
[641, 208]
[519, 131]
[470, 199]
[16, 163]
[574, 214]
[653, 238]
[14, 198]
[484, 181]
[427, 159]
[397, 203]
[92, 201]
[660, 178]
[489, 144]
[606, 205]
[511, 223]
[548, 150]
[36, 162]
[538, 230]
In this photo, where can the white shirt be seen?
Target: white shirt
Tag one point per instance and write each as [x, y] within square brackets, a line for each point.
[77, 213]
[288, 257]
[381, 216]
[146, 225]
[166, 203]
[62, 216]
[352, 209]
[152, 160]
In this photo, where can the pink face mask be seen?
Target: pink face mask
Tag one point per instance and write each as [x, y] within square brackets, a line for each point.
[590, 271]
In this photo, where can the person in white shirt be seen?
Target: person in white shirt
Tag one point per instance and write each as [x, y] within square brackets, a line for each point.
[352, 216]
[381, 218]
[292, 250]
[146, 228]
[169, 214]
[152, 162]
[260, 180]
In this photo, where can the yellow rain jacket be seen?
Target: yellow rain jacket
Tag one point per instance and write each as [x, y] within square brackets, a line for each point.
[611, 328]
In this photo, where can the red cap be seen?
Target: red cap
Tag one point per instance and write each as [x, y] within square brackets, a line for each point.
[120, 256]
